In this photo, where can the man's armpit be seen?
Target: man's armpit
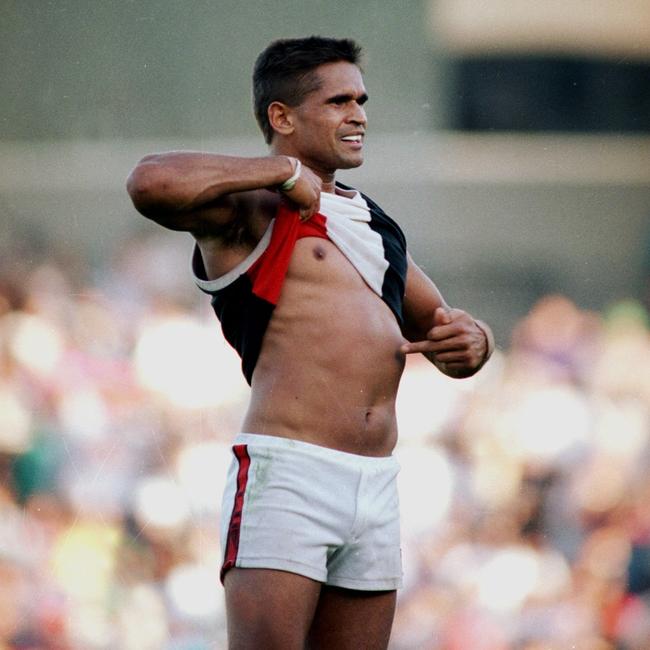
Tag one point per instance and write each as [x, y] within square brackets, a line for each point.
[236, 233]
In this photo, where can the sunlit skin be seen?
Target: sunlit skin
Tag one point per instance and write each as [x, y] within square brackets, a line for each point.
[333, 353]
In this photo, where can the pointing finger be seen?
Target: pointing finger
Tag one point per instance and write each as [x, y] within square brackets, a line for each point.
[418, 346]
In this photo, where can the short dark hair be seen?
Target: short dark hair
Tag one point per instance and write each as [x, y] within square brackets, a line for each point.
[284, 72]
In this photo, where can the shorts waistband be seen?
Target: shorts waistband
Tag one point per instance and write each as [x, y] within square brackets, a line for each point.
[318, 451]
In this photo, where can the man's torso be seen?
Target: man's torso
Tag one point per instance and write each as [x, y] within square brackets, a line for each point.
[329, 365]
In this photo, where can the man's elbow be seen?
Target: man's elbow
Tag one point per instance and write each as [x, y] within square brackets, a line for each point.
[144, 184]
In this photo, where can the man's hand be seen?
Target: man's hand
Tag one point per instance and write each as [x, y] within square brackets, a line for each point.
[305, 194]
[456, 344]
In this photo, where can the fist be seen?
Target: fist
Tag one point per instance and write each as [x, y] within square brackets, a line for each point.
[456, 344]
[305, 194]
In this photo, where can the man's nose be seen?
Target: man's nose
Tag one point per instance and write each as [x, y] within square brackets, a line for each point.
[358, 115]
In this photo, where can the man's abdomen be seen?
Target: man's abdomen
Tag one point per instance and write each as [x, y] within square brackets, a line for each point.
[330, 363]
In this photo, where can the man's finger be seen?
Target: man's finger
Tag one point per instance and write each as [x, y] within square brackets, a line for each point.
[437, 347]
[453, 357]
[442, 332]
[417, 346]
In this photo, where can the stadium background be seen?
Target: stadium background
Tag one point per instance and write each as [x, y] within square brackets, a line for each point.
[511, 142]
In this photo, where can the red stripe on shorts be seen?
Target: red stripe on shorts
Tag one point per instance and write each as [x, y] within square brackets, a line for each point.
[232, 540]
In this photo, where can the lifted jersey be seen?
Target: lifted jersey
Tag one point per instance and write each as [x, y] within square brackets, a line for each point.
[244, 298]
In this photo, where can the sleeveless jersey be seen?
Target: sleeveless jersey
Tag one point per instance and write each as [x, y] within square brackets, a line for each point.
[244, 298]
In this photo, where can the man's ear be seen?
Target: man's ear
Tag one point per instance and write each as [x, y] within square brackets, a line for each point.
[280, 118]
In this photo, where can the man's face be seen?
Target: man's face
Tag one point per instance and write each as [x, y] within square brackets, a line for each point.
[331, 122]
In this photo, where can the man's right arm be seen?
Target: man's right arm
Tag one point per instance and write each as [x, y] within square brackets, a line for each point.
[196, 192]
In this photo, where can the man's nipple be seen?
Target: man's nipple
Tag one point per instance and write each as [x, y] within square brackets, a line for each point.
[319, 252]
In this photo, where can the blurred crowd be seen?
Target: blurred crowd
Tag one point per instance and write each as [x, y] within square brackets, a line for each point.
[525, 490]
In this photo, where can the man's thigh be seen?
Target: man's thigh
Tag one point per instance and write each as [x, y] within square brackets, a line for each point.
[347, 619]
[269, 609]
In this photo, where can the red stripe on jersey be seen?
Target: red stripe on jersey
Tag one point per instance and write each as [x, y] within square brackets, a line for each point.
[232, 540]
[268, 272]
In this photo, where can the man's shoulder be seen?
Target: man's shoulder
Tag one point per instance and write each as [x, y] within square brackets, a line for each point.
[380, 216]
[372, 204]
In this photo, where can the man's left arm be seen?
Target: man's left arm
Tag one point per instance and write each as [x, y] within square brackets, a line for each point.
[456, 343]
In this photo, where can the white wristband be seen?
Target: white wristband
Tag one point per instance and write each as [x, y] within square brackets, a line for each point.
[290, 183]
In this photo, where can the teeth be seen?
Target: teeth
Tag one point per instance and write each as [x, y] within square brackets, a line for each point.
[352, 138]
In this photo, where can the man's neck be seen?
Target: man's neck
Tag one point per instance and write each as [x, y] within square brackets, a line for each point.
[326, 176]
[328, 185]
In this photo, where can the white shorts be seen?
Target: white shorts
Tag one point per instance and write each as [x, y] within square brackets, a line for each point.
[325, 514]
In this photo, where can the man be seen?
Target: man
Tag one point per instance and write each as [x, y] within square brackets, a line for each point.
[314, 288]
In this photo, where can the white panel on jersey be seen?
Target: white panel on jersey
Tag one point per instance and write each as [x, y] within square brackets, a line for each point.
[348, 227]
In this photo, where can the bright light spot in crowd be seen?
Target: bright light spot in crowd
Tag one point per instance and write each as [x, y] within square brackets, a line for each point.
[459, 565]
[142, 619]
[36, 344]
[188, 363]
[83, 414]
[84, 560]
[425, 485]
[160, 503]
[496, 476]
[89, 626]
[194, 592]
[554, 575]
[202, 470]
[602, 484]
[622, 427]
[550, 421]
[427, 400]
[98, 491]
[507, 579]
[15, 424]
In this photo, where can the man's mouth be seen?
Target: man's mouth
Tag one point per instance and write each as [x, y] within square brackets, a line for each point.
[353, 138]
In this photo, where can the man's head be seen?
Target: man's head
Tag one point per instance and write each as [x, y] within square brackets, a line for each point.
[286, 72]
